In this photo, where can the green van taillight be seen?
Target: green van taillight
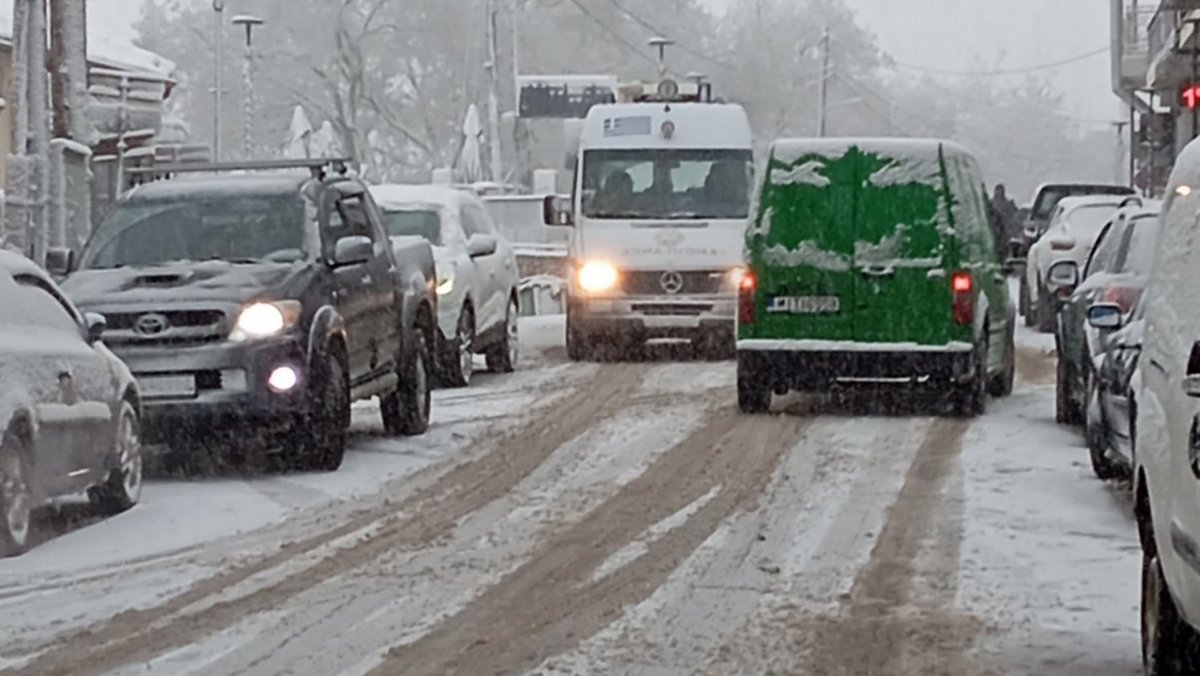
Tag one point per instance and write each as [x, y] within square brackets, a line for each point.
[746, 292]
[961, 286]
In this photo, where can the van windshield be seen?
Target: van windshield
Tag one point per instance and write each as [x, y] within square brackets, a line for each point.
[666, 184]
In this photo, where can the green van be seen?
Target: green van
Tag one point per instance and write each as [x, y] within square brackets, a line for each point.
[871, 262]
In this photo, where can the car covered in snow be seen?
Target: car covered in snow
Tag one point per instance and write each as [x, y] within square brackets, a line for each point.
[1036, 218]
[70, 409]
[1070, 236]
[1109, 285]
[477, 276]
[904, 288]
[258, 301]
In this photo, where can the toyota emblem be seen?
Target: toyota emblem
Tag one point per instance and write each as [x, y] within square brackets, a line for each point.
[672, 282]
[152, 324]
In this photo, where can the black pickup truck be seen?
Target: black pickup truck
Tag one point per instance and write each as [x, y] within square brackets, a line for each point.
[255, 302]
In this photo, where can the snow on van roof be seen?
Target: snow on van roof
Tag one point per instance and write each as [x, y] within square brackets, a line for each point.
[789, 150]
[717, 126]
[398, 194]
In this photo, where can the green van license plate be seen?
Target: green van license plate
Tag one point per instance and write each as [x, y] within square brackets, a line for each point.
[804, 305]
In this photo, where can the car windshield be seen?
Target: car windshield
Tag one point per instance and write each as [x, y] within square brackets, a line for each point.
[414, 222]
[666, 184]
[1049, 198]
[200, 228]
[1143, 239]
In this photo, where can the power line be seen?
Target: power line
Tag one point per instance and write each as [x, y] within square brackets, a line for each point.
[1004, 71]
[682, 46]
[607, 29]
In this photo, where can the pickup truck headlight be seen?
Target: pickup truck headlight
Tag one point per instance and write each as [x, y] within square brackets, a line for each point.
[445, 282]
[597, 276]
[262, 320]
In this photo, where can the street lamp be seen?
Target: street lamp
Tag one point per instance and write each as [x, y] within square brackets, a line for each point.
[248, 22]
[218, 61]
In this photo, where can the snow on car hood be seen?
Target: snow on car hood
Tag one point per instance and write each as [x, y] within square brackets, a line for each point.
[185, 281]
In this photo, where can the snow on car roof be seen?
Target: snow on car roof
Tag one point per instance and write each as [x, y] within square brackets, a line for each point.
[104, 49]
[395, 195]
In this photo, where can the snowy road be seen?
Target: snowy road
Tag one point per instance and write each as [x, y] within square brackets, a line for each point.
[612, 519]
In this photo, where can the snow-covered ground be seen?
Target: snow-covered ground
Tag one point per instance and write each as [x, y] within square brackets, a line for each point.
[612, 518]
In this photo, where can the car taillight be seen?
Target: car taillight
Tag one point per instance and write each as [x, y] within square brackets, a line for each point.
[746, 298]
[1122, 296]
[961, 287]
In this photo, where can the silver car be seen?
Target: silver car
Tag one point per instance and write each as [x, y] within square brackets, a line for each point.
[69, 408]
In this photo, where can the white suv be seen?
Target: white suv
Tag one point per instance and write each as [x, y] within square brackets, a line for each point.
[476, 271]
[1167, 460]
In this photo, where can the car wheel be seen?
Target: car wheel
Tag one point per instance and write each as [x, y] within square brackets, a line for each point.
[123, 487]
[16, 496]
[406, 411]
[754, 393]
[1047, 318]
[1065, 410]
[458, 363]
[1169, 644]
[502, 357]
[1094, 431]
[321, 444]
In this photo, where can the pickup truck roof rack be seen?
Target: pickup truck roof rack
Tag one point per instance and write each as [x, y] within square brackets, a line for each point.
[318, 167]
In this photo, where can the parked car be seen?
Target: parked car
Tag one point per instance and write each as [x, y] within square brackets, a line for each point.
[1037, 219]
[1072, 233]
[909, 291]
[261, 302]
[1115, 274]
[1166, 481]
[70, 409]
[476, 270]
[1112, 402]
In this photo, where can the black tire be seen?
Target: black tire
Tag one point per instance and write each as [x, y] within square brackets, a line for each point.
[971, 398]
[406, 411]
[1047, 317]
[16, 496]
[1002, 385]
[580, 346]
[320, 445]
[1023, 299]
[754, 393]
[1094, 430]
[1169, 644]
[1066, 412]
[123, 486]
[458, 355]
[502, 357]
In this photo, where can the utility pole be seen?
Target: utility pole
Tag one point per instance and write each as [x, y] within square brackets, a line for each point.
[249, 22]
[823, 96]
[493, 67]
[68, 70]
[218, 62]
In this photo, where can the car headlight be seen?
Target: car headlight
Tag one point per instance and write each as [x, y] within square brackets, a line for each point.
[596, 276]
[262, 320]
[445, 283]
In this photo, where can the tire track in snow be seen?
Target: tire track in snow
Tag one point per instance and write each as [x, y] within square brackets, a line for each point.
[429, 513]
[552, 603]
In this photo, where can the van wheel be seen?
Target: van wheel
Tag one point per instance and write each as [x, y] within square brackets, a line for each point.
[1169, 644]
[1002, 385]
[579, 345]
[971, 398]
[754, 394]
[16, 496]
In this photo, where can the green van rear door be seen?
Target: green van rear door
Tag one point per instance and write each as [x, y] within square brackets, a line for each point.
[802, 248]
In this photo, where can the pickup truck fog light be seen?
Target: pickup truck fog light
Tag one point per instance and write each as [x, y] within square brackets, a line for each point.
[283, 379]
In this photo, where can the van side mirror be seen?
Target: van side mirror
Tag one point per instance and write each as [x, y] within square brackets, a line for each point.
[60, 262]
[555, 213]
[1063, 276]
[1105, 316]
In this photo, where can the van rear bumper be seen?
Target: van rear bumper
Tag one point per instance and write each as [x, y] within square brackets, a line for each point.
[817, 366]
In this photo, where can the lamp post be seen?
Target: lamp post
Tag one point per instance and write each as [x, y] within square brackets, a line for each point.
[248, 22]
[218, 61]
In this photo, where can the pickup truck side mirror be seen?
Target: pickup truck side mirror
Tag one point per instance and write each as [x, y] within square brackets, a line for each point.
[481, 245]
[1063, 275]
[554, 213]
[1105, 316]
[95, 323]
[353, 250]
[60, 262]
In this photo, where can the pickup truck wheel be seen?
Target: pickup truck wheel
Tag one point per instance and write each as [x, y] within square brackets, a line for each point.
[16, 497]
[1169, 644]
[123, 487]
[458, 359]
[321, 444]
[754, 394]
[502, 357]
[406, 411]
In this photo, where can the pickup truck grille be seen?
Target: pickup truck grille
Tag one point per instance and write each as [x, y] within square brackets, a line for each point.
[651, 282]
[171, 327]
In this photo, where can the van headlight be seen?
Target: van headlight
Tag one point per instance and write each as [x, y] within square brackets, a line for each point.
[733, 279]
[263, 320]
[597, 276]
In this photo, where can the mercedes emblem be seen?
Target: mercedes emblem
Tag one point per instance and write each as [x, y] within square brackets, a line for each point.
[672, 282]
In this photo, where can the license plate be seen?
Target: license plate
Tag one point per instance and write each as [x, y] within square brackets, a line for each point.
[804, 305]
[167, 386]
